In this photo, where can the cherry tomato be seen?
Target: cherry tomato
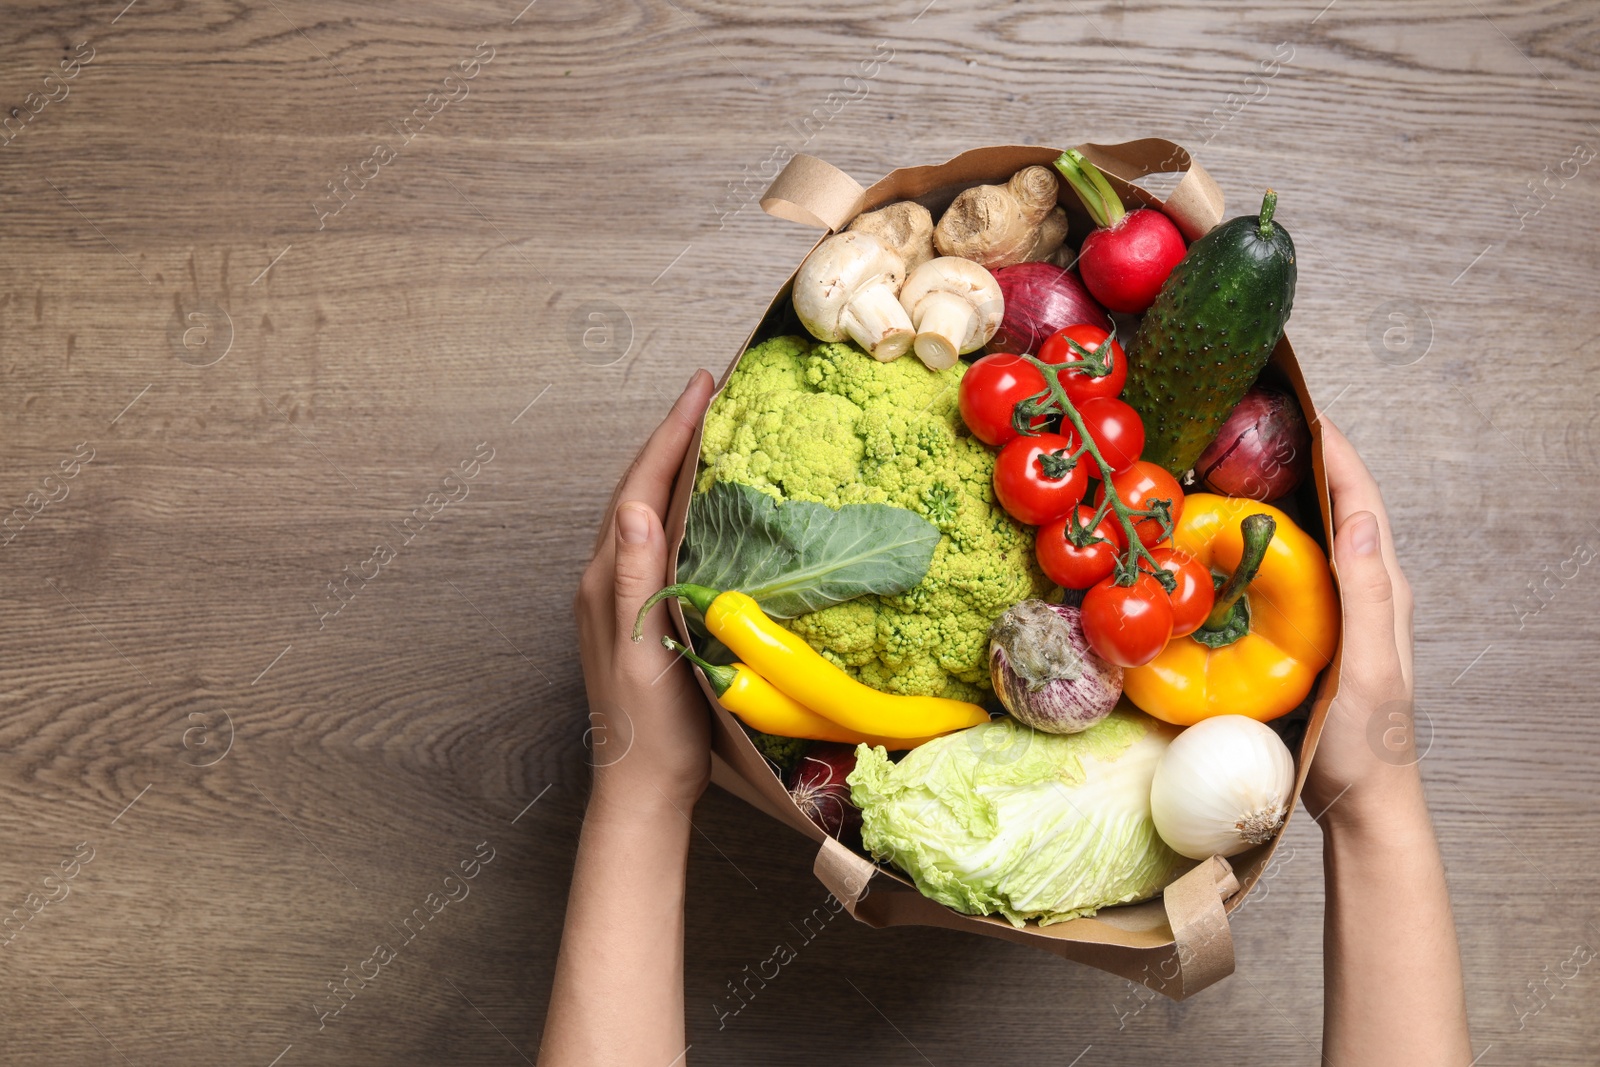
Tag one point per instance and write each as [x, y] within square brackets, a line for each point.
[1115, 428]
[1032, 482]
[991, 388]
[1127, 624]
[1079, 385]
[1194, 594]
[1072, 567]
[1140, 483]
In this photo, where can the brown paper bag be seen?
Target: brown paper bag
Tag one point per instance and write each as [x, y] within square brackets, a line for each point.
[1180, 943]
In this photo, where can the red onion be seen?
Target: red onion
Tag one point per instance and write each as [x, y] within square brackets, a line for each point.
[1041, 298]
[1044, 671]
[819, 789]
[1263, 450]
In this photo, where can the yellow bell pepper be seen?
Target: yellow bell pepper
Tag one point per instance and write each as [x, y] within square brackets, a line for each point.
[762, 707]
[799, 671]
[1290, 619]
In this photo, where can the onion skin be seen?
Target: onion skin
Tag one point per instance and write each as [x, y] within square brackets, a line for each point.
[1263, 450]
[819, 789]
[1044, 671]
[1041, 298]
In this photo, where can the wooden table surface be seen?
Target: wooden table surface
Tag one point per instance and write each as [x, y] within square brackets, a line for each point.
[266, 305]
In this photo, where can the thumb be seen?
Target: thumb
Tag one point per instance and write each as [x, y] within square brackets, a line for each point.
[1370, 653]
[641, 565]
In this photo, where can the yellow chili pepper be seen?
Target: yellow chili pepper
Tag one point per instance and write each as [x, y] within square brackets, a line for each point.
[763, 707]
[1275, 625]
[797, 670]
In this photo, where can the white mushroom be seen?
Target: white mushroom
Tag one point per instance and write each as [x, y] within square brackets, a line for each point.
[847, 287]
[905, 226]
[956, 307]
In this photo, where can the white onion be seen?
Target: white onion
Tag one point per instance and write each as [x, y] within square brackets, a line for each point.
[1221, 787]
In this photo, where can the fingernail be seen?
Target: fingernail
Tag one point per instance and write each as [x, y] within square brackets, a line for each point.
[633, 526]
[693, 376]
[1364, 534]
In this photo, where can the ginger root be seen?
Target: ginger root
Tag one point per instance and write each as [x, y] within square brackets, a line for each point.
[1000, 225]
[906, 227]
[1050, 241]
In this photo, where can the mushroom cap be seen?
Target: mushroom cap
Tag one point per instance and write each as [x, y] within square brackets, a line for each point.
[838, 269]
[962, 278]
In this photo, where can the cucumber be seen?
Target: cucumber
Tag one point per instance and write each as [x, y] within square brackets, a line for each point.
[1212, 328]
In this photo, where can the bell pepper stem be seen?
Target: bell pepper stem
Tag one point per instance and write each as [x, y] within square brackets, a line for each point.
[1257, 531]
[698, 596]
[719, 676]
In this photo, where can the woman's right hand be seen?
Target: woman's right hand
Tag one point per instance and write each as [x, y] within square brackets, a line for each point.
[1367, 750]
[1392, 972]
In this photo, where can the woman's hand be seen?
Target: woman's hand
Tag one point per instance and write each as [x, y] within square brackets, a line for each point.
[1391, 969]
[1366, 755]
[648, 728]
[618, 991]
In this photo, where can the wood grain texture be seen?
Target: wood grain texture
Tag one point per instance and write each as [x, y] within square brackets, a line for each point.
[174, 598]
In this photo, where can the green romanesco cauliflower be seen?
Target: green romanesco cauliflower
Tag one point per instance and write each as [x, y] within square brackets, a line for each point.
[783, 751]
[826, 422]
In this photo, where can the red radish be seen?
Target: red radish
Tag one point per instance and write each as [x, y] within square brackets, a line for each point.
[1125, 264]
[818, 787]
[1040, 299]
[1125, 261]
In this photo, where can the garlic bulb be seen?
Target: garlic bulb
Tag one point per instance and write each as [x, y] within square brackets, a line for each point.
[1222, 786]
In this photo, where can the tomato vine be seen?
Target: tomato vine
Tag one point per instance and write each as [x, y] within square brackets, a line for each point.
[1054, 401]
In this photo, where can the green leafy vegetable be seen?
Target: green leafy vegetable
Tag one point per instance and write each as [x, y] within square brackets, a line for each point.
[797, 556]
[1003, 819]
[828, 424]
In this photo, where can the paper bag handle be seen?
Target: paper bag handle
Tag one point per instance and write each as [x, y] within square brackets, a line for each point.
[1196, 204]
[1202, 938]
[813, 192]
[849, 877]
[1202, 949]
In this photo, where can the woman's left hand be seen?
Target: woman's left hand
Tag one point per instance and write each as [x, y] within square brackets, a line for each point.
[649, 734]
